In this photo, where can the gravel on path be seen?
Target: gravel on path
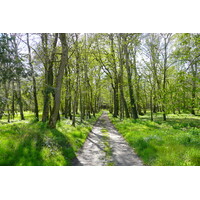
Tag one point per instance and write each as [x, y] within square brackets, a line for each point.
[105, 146]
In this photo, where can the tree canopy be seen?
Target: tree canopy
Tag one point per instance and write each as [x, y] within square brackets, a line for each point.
[68, 74]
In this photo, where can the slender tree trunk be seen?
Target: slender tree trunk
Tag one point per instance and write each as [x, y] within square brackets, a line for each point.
[46, 107]
[194, 79]
[164, 96]
[81, 103]
[151, 105]
[137, 88]
[115, 100]
[92, 103]
[164, 81]
[56, 106]
[20, 99]
[116, 82]
[74, 112]
[3, 107]
[145, 100]
[18, 81]
[13, 100]
[34, 81]
[75, 103]
[7, 88]
[8, 108]
[67, 92]
[66, 101]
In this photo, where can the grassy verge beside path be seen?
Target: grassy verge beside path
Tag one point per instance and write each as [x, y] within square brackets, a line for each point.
[30, 143]
[175, 142]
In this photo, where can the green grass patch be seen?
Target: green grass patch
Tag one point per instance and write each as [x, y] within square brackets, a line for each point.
[107, 148]
[104, 130]
[110, 164]
[175, 142]
[31, 143]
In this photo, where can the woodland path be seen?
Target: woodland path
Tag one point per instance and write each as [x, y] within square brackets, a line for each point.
[106, 147]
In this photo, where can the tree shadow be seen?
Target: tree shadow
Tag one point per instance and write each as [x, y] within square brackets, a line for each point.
[95, 144]
[76, 161]
[64, 146]
[27, 153]
[184, 122]
[147, 123]
[32, 142]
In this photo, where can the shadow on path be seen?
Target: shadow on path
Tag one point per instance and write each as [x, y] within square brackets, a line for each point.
[94, 153]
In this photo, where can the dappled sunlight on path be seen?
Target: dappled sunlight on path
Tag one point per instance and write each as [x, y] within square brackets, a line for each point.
[110, 149]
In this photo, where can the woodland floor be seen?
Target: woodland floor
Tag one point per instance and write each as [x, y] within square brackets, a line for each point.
[106, 147]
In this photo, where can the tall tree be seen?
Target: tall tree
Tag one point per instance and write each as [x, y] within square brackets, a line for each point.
[59, 78]
[33, 78]
[129, 75]
[48, 62]
[123, 104]
[19, 71]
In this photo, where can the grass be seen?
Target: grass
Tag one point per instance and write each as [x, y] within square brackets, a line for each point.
[31, 143]
[107, 148]
[27, 114]
[175, 142]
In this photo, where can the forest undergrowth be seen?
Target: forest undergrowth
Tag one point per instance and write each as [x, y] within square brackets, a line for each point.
[31, 143]
[175, 142]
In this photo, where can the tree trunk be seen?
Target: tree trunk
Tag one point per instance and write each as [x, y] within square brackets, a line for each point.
[81, 103]
[75, 100]
[34, 81]
[74, 112]
[123, 104]
[115, 100]
[56, 106]
[137, 88]
[116, 82]
[164, 80]
[48, 65]
[194, 79]
[151, 105]
[130, 85]
[7, 88]
[13, 100]
[20, 99]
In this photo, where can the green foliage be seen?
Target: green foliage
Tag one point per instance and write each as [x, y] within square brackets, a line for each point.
[10, 61]
[174, 142]
[97, 65]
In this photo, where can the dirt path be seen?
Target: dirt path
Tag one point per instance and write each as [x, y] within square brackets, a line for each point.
[105, 146]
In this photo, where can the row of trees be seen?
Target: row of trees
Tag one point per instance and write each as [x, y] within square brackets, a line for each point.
[78, 74]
